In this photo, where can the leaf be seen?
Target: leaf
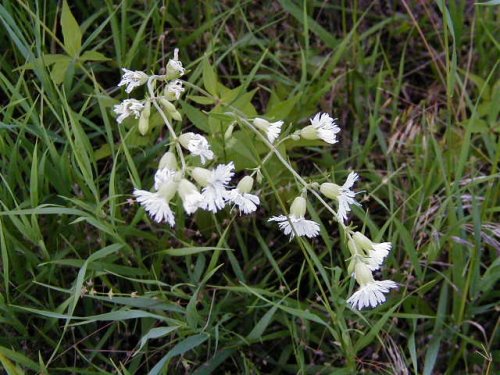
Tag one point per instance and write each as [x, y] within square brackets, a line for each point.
[181, 348]
[209, 77]
[198, 118]
[190, 251]
[71, 31]
[93, 56]
[58, 71]
[203, 100]
[155, 333]
[261, 326]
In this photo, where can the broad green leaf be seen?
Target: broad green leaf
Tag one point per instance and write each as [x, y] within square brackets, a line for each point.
[71, 31]
[209, 77]
[58, 71]
[93, 56]
[198, 118]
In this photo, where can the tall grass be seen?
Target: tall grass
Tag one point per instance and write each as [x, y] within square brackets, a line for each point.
[90, 285]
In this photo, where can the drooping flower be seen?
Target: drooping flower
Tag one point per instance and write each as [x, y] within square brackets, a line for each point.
[173, 90]
[128, 108]
[375, 252]
[342, 194]
[272, 129]
[197, 145]
[323, 126]
[174, 67]
[370, 292]
[132, 79]
[214, 183]
[295, 223]
[190, 195]
[241, 197]
[157, 203]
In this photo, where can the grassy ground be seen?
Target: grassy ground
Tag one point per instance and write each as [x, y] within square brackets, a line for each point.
[415, 86]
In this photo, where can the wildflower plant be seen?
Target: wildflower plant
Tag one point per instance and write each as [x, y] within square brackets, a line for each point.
[204, 179]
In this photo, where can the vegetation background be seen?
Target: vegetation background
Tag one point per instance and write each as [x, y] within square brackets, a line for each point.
[415, 86]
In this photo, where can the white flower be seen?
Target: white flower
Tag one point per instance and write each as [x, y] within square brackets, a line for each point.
[191, 197]
[272, 129]
[156, 205]
[127, 108]
[326, 127]
[343, 194]
[197, 145]
[164, 176]
[173, 90]
[375, 253]
[132, 79]
[174, 67]
[371, 294]
[292, 225]
[246, 202]
[295, 223]
[378, 254]
[215, 183]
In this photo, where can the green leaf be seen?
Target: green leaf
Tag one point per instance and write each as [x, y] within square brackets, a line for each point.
[71, 31]
[198, 118]
[181, 348]
[155, 333]
[58, 71]
[93, 56]
[203, 100]
[209, 77]
[189, 251]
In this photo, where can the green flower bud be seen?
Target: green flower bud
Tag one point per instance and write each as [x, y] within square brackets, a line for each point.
[362, 241]
[245, 185]
[144, 119]
[169, 161]
[202, 176]
[362, 273]
[169, 107]
[330, 190]
[176, 115]
[229, 132]
[168, 190]
[309, 132]
[298, 207]
[261, 123]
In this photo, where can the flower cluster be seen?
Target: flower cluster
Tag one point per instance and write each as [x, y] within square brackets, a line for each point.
[201, 183]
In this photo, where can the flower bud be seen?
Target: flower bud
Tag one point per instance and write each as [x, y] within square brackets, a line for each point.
[176, 116]
[352, 247]
[309, 132]
[202, 176]
[362, 273]
[174, 67]
[261, 123]
[298, 207]
[144, 119]
[185, 138]
[229, 132]
[245, 185]
[168, 161]
[362, 241]
[186, 188]
[168, 189]
[169, 107]
[330, 190]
